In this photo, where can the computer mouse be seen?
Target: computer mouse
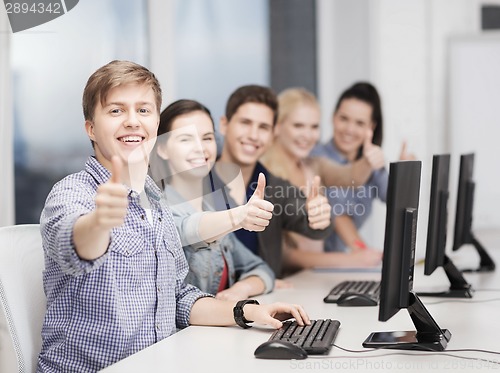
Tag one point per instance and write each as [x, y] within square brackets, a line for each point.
[279, 349]
[356, 300]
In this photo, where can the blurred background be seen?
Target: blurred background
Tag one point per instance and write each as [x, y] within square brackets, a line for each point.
[436, 64]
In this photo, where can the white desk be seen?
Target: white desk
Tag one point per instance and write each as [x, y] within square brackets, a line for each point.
[230, 349]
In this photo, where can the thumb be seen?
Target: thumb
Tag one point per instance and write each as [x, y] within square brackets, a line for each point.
[402, 154]
[116, 169]
[314, 191]
[368, 139]
[261, 185]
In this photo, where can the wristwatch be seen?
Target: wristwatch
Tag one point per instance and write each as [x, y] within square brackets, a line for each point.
[238, 313]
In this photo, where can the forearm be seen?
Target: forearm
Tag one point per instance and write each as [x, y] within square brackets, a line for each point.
[353, 174]
[347, 231]
[361, 171]
[90, 241]
[252, 285]
[301, 259]
[333, 173]
[215, 224]
[212, 312]
[306, 259]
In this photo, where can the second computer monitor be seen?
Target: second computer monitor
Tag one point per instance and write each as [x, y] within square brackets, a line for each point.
[435, 252]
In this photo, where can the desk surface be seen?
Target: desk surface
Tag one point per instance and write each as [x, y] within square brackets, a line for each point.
[474, 324]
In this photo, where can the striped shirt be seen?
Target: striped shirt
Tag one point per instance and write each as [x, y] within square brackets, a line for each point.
[103, 310]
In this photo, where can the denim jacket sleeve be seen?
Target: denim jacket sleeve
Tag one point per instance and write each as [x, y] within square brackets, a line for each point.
[248, 264]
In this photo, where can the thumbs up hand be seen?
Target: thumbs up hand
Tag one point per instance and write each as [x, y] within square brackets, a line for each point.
[373, 153]
[318, 208]
[257, 212]
[405, 155]
[111, 199]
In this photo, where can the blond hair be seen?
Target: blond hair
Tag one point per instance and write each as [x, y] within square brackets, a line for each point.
[290, 98]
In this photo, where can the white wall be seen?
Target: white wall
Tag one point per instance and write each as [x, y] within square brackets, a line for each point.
[6, 133]
[161, 33]
[474, 112]
[7, 355]
[412, 70]
[406, 44]
[398, 54]
[343, 52]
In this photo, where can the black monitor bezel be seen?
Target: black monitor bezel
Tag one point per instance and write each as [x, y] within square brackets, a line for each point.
[438, 213]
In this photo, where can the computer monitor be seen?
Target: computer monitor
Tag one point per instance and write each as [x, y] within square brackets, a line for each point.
[463, 218]
[396, 291]
[435, 253]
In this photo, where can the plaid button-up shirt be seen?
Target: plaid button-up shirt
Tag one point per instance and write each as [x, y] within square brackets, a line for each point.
[101, 311]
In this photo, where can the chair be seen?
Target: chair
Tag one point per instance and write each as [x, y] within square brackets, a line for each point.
[22, 299]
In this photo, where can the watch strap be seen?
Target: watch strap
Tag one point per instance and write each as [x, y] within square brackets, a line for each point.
[239, 315]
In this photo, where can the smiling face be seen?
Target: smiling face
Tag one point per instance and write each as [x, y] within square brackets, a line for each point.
[190, 147]
[298, 132]
[351, 122]
[125, 125]
[248, 134]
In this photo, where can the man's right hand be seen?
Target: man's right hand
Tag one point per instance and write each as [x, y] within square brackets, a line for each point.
[111, 199]
[257, 212]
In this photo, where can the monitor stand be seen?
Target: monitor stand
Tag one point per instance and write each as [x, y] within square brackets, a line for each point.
[459, 287]
[486, 263]
[428, 336]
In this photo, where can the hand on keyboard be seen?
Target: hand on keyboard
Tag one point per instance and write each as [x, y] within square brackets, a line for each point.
[316, 338]
[273, 314]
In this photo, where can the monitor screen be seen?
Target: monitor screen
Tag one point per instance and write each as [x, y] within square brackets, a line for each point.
[398, 263]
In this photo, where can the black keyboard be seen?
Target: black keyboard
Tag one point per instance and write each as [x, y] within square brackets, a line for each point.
[369, 289]
[316, 338]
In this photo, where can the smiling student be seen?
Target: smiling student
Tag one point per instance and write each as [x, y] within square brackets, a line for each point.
[247, 127]
[296, 133]
[218, 262]
[114, 273]
[357, 117]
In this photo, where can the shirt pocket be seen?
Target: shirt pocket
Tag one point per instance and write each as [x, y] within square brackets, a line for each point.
[130, 261]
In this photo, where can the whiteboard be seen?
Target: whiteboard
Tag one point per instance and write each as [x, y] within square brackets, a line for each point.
[474, 121]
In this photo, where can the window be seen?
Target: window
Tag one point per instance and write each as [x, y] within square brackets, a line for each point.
[50, 67]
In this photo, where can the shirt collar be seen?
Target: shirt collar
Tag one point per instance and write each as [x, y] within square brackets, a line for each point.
[101, 174]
